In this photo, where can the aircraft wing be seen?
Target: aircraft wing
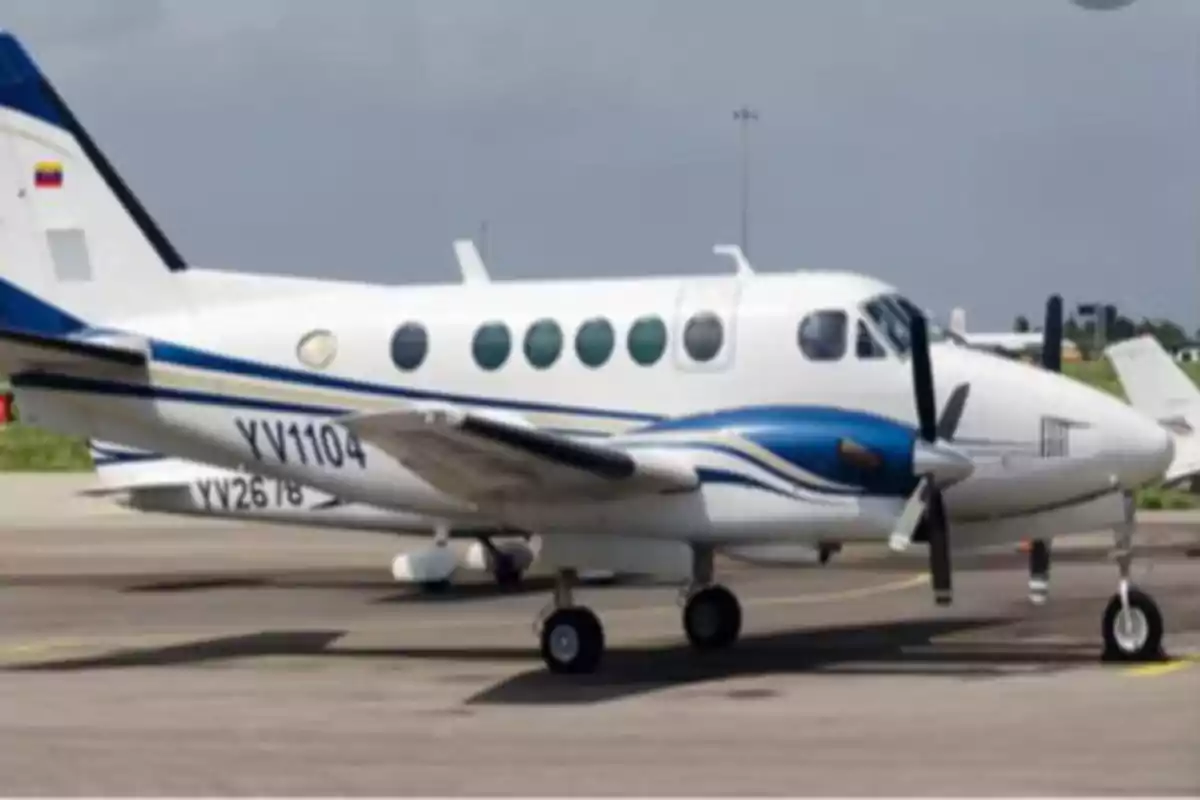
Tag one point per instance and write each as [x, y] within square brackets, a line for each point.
[1156, 386]
[24, 351]
[487, 460]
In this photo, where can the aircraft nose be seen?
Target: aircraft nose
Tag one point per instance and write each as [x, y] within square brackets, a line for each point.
[1145, 448]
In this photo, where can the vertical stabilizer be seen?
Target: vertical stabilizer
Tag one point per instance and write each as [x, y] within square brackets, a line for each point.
[958, 322]
[76, 245]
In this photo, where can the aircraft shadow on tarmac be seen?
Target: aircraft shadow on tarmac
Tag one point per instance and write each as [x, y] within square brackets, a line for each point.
[895, 648]
[462, 591]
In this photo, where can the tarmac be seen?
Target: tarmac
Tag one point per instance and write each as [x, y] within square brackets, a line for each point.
[148, 655]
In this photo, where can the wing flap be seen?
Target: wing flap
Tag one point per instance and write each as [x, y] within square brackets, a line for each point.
[487, 460]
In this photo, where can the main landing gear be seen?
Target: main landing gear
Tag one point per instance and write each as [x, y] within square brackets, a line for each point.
[572, 638]
[712, 616]
[1133, 624]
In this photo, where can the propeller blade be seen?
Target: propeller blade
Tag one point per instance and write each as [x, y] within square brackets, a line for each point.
[952, 413]
[923, 392]
[939, 550]
[911, 516]
[1052, 335]
[1039, 551]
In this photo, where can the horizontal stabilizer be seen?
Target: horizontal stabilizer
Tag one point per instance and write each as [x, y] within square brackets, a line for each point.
[23, 351]
[152, 473]
[488, 460]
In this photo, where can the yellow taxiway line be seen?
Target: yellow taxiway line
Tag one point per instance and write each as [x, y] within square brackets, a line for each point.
[1165, 668]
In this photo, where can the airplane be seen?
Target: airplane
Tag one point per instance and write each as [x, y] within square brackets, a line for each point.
[1155, 384]
[638, 425]
[1011, 343]
[157, 483]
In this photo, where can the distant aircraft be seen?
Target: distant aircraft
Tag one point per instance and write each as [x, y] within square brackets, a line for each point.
[1156, 385]
[1009, 343]
[636, 425]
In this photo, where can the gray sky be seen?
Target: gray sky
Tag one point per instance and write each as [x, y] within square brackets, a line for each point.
[974, 152]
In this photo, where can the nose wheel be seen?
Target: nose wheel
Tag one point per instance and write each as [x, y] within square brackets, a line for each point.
[1132, 628]
[1132, 624]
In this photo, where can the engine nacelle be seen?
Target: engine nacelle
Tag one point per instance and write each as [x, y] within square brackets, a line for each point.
[781, 555]
[432, 565]
[479, 557]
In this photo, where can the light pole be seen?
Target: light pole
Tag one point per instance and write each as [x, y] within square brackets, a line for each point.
[744, 116]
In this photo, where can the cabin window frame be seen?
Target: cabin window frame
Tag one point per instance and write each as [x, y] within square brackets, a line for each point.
[816, 316]
[410, 365]
[547, 358]
[317, 348]
[655, 347]
[690, 345]
[484, 328]
[585, 342]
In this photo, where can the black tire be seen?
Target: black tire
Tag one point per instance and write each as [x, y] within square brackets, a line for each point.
[712, 618]
[1146, 642]
[572, 641]
[505, 573]
[436, 587]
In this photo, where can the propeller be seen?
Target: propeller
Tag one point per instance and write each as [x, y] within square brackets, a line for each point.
[1039, 550]
[937, 464]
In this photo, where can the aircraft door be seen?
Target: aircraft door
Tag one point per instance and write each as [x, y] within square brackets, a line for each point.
[705, 330]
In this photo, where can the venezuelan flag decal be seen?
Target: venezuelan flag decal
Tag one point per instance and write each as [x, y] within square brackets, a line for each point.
[48, 175]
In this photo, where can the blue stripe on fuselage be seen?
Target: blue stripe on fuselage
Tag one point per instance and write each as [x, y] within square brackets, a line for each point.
[117, 389]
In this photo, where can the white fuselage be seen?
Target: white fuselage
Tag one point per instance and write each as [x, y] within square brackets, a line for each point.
[226, 388]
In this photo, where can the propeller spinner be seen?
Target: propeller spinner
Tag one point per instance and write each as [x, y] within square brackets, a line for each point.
[938, 464]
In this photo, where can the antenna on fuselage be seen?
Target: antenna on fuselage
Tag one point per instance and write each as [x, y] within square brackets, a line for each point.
[470, 263]
[739, 258]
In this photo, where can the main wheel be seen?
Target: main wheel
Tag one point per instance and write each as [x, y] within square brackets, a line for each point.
[1135, 635]
[572, 641]
[712, 618]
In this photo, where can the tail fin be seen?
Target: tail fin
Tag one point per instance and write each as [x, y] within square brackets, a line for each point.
[958, 322]
[1159, 388]
[75, 243]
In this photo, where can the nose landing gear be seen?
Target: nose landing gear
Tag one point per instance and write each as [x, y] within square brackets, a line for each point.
[1133, 624]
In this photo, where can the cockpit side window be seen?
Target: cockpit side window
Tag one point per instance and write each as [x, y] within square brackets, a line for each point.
[892, 314]
[890, 322]
[822, 335]
[936, 332]
[866, 345]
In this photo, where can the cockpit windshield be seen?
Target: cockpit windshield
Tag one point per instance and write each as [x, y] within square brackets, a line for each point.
[892, 315]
